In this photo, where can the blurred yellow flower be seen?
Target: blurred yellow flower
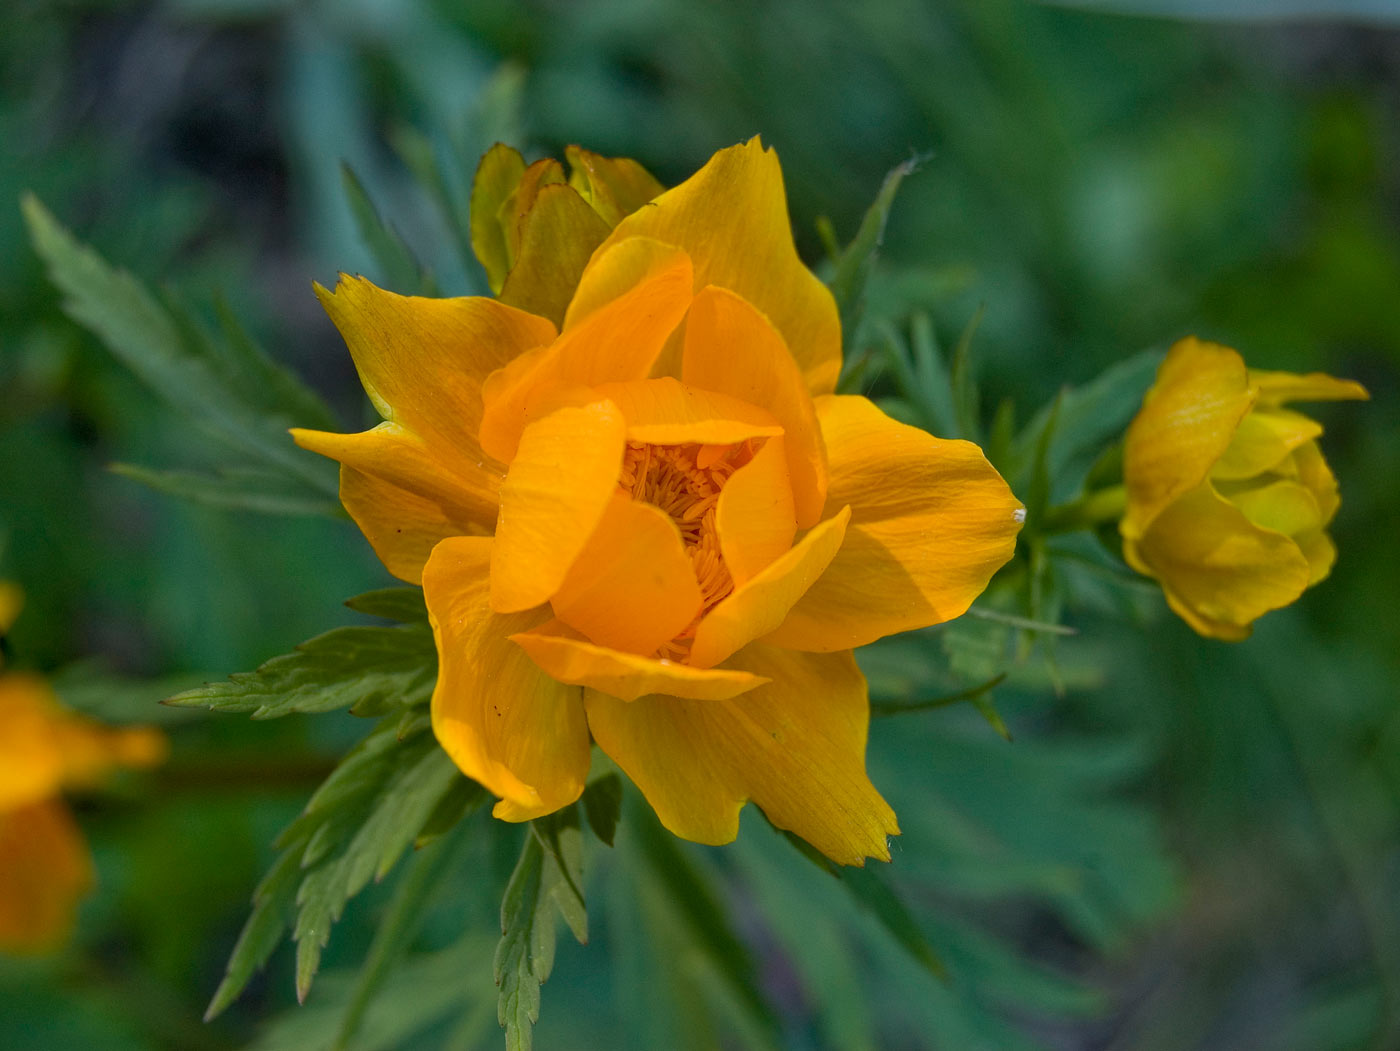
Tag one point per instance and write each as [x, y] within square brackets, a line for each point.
[657, 525]
[45, 869]
[1228, 496]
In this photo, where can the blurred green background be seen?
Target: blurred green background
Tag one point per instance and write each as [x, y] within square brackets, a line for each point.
[1191, 845]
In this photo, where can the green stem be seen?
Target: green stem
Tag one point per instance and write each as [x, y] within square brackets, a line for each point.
[1090, 510]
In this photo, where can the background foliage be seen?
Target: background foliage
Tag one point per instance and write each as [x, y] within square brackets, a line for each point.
[1185, 845]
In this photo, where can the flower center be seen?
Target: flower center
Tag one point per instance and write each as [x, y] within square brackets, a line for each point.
[685, 482]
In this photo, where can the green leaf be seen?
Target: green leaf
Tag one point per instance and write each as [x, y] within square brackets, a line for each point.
[367, 669]
[237, 489]
[562, 838]
[525, 955]
[262, 932]
[164, 349]
[400, 269]
[852, 272]
[964, 383]
[402, 604]
[885, 708]
[602, 803]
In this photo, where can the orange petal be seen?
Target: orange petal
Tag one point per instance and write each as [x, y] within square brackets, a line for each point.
[504, 722]
[1262, 441]
[731, 348]
[401, 494]
[31, 761]
[557, 236]
[614, 186]
[497, 177]
[45, 871]
[761, 604]
[1185, 425]
[1218, 570]
[666, 411]
[423, 361]
[754, 517]
[559, 485]
[731, 216]
[931, 522]
[1275, 388]
[626, 676]
[795, 746]
[617, 342]
[632, 587]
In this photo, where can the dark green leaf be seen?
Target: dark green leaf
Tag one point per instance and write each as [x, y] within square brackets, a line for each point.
[402, 604]
[237, 489]
[602, 803]
[460, 801]
[400, 269]
[562, 839]
[525, 955]
[964, 382]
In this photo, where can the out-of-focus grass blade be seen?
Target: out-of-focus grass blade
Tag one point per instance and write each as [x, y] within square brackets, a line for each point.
[401, 270]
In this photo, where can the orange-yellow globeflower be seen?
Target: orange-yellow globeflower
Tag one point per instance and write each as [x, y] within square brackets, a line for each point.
[1228, 496]
[654, 526]
[45, 867]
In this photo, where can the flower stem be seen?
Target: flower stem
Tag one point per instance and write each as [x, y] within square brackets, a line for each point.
[1090, 510]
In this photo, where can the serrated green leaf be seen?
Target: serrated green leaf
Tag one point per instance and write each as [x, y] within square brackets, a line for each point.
[236, 489]
[852, 272]
[400, 269]
[402, 604]
[562, 838]
[463, 798]
[525, 955]
[602, 803]
[262, 932]
[160, 348]
[354, 667]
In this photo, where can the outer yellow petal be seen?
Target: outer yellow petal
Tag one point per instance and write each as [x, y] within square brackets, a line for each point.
[1185, 425]
[1312, 471]
[31, 763]
[614, 186]
[567, 657]
[931, 522]
[632, 587]
[402, 496]
[616, 343]
[1263, 440]
[45, 871]
[497, 177]
[760, 604]
[1219, 571]
[665, 411]
[796, 747]
[1275, 388]
[754, 516]
[731, 216]
[559, 485]
[557, 236]
[504, 722]
[730, 347]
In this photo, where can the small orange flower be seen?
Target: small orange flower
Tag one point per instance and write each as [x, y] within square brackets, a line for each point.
[1229, 497]
[45, 869]
[655, 525]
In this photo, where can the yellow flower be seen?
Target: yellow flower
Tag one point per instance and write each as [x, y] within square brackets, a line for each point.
[657, 526]
[1229, 497]
[45, 869]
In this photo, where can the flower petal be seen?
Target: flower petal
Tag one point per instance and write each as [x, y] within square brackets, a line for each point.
[571, 659]
[558, 235]
[423, 361]
[931, 522]
[1275, 388]
[666, 411]
[1312, 470]
[1219, 571]
[614, 186]
[11, 602]
[401, 494]
[1263, 440]
[45, 871]
[504, 722]
[733, 349]
[731, 216]
[759, 605]
[497, 177]
[31, 762]
[632, 587]
[560, 483]
[754, 516]
[795, 746]
[1185, 425]
[616, 343]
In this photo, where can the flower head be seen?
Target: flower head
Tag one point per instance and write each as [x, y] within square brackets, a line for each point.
[1229, 497]
[655, 525]
[45, 869]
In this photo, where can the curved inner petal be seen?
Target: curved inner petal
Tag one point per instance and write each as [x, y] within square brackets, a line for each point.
[632, 587]
[666, 411]
[626, 676]
[732, 348]
[1263, 440]
[559, 485]
[755, 517]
